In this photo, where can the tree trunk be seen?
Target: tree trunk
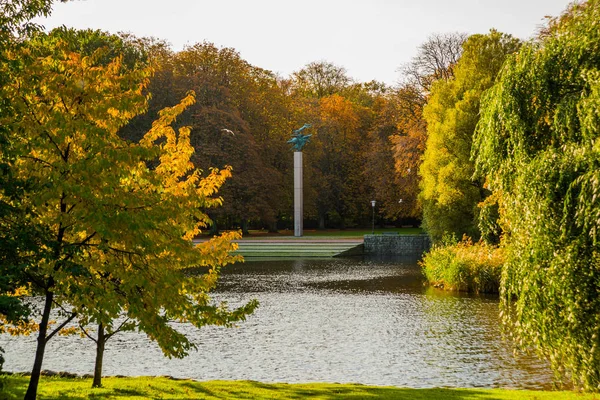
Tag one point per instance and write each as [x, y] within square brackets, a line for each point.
[273, 227]
[41, 347]
[100, 344]
[321, 220]
[245, 231]
[214, 229]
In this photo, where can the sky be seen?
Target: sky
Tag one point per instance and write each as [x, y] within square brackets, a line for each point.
[372, 39]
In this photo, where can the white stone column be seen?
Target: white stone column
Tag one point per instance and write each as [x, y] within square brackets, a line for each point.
[298, 195]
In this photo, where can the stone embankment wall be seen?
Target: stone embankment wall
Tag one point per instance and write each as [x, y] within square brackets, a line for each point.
[404, 245]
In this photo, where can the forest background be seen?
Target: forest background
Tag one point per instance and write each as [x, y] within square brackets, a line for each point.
[367, 138]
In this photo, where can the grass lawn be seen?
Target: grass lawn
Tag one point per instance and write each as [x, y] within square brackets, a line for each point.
[164, 388]
[346, 233]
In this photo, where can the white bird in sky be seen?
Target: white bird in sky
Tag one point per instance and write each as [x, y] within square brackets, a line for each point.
[227, 131]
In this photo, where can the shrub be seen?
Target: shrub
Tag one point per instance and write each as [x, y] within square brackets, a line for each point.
[464, 266]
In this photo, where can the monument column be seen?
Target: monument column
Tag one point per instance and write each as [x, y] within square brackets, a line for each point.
[298, 142]
[298, 195]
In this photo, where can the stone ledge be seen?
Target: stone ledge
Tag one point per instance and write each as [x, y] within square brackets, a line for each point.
[396, 244]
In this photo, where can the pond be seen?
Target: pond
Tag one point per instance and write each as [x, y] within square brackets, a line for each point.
[369, 321]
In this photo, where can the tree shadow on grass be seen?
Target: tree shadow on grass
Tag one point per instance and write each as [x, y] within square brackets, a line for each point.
[162, 388]
[258, 390]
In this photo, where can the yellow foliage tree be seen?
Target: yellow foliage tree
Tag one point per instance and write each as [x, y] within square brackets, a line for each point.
[121, 215]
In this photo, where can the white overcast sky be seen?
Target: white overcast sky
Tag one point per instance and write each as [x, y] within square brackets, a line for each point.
[370, 38]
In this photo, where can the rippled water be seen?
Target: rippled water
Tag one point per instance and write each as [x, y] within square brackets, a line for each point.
[334, 320]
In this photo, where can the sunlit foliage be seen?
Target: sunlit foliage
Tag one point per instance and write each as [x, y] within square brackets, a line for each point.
[538, 144]
[120, 216]
[464, 266]
[449, 194]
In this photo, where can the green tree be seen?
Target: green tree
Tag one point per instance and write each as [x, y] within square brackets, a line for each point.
[537, 144]
[435, 60]
[15, 25]
[450, 196]
[121, 215]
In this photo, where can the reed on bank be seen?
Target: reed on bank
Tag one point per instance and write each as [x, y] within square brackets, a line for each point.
[464, 266]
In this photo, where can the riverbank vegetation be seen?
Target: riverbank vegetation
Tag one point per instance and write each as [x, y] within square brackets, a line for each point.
[464, 266]
[163, 388]
[533, 154]
[538, 146]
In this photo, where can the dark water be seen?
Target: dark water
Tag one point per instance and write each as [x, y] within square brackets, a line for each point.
[334, 320]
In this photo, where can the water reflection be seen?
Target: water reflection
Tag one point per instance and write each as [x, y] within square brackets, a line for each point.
[339, 320]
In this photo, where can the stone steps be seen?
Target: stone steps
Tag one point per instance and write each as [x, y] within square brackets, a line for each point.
[298, 248]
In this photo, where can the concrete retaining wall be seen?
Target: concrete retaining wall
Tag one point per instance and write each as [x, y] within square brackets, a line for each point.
[397, 244]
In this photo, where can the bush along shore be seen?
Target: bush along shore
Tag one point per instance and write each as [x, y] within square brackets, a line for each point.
[55, 387]
[464, 266]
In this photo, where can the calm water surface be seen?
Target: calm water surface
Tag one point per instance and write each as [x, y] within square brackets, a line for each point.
[334, 320]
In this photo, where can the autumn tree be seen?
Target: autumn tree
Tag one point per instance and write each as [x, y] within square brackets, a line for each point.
[239, 119]
[17, 247]
[407, 144]
[337, 155]
[379, 169]
[120, 215]
[450, 195]
[435, 60]
[320, 79]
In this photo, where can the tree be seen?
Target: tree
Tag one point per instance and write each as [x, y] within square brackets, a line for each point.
[379, 168]
[450, 196]
[435, 60]
[15, 24]
[320, 79]
[536, 143]
[119, 243]
[239, 119]
[336, 157]
[407, 144]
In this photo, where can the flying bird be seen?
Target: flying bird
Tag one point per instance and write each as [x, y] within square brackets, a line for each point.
[228, 131]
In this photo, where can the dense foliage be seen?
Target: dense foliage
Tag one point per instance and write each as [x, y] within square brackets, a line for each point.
[15, 23]
[450, 196]
[119, 217]
[538, 143]
[102, 189]
[464, 266]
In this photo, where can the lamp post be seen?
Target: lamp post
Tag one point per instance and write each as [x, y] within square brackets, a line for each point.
[400, 215]
[373, 205]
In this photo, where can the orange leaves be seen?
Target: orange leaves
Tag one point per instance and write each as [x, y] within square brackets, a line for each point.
[21, 328]
[339, 112]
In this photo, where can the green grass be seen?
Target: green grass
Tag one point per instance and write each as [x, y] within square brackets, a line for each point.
[164, 388]
[333, 233]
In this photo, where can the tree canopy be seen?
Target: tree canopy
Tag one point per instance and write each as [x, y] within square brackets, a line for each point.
[450, 196]
[537, 144]
[119, 216]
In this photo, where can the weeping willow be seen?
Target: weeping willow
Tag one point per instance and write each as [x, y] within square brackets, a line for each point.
[538, 145]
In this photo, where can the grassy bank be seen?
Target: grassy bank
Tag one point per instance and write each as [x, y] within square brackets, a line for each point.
[164, 388]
